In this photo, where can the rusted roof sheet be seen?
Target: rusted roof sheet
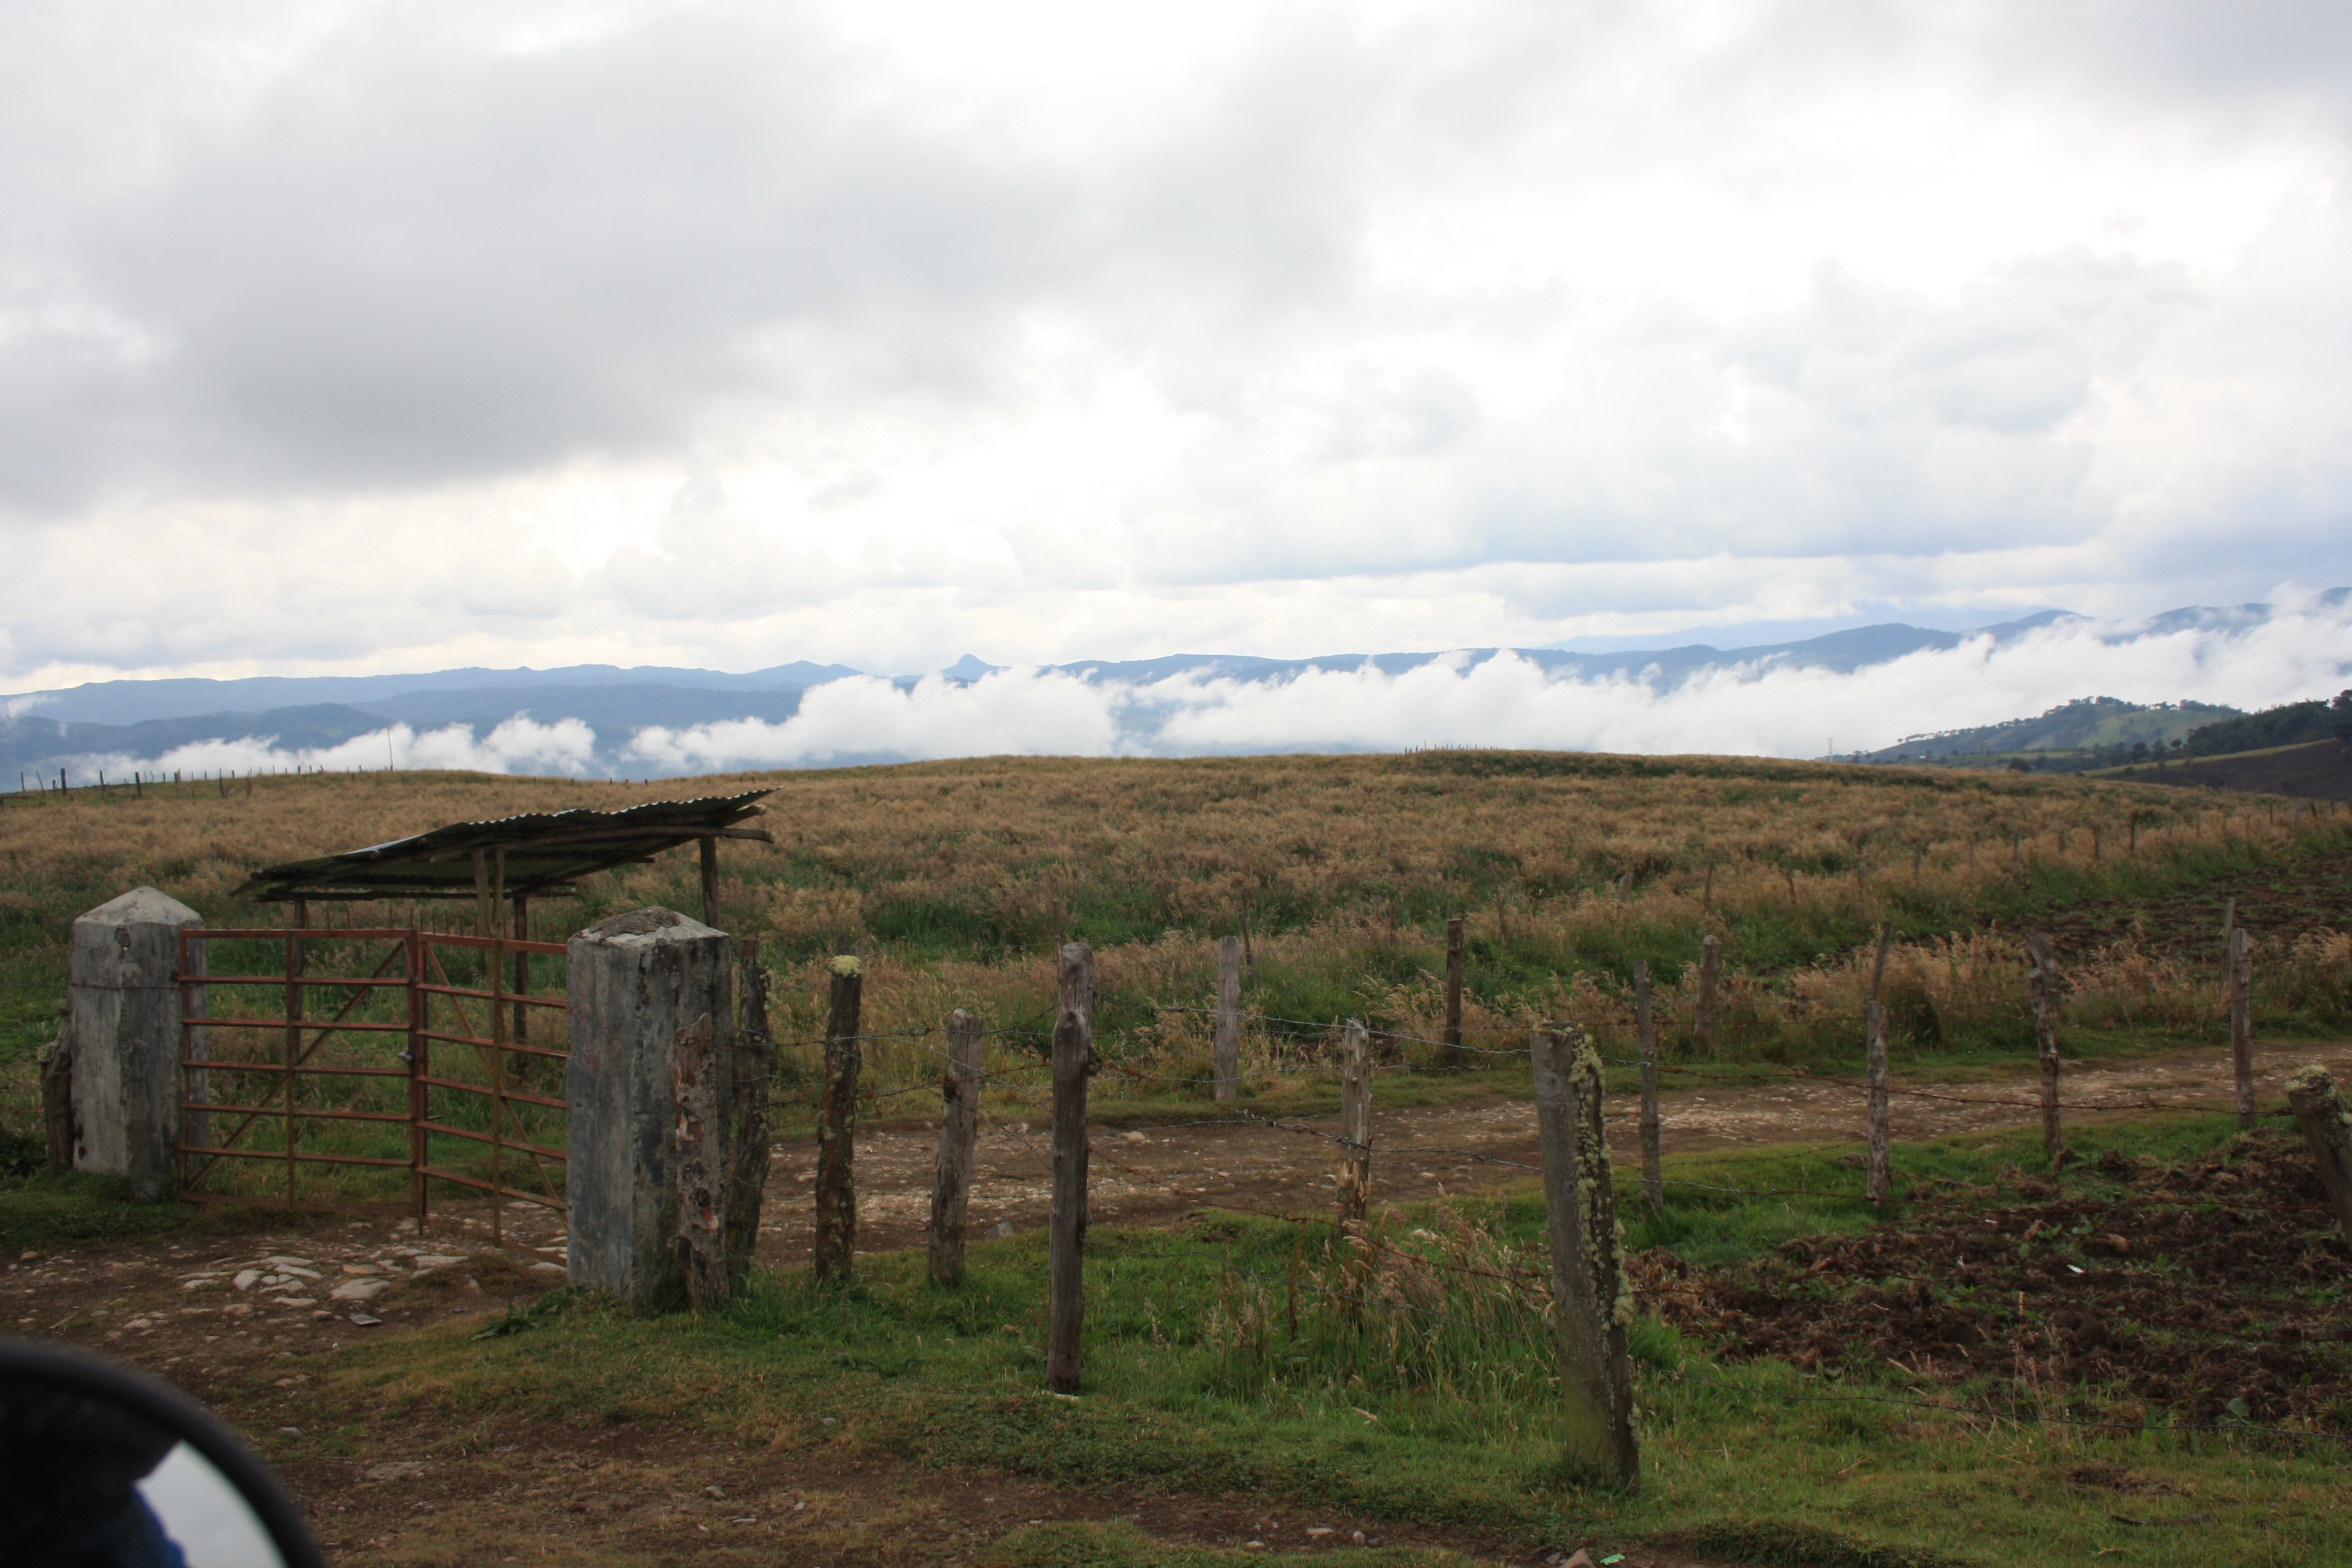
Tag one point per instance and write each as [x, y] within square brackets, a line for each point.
[544, 851]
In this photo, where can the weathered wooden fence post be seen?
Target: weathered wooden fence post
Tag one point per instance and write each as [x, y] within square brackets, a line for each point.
[836, 1124]
[1226, 1071]
[2319, 1113]
[958, 1126]
[1876, 1183]
[1710, 973]
[1074, 1039]
[701, 1166]
[1591, 1305]
[637, 983]
[1645, 1033]
[122, 1038]
[2241, 1024]
[747, 1182]
[1355, 1183]
[2046, 986]
[56, 1101]
[1451, 1057]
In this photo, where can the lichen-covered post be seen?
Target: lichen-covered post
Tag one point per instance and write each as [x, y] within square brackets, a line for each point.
[1710, 973]
[1065, 1242]
[1592, 1306]
[1645, 1034]
[637, 981]
[958, 1126]
[701, 1166]
[1450, 1059]
[836, 1248]
[1355, 1180]
[2047, 985]
[123, 1037]
[2327, 1134]
[1225, 1064]
[747, 1179]
[1876, 1183]
[2241, 1024]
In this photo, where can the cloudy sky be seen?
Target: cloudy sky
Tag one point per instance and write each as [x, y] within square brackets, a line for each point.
[352, 337]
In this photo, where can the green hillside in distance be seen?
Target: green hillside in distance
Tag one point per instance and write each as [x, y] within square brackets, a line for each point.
[2087, 732]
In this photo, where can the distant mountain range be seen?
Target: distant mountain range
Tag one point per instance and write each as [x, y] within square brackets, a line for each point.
[606, 709]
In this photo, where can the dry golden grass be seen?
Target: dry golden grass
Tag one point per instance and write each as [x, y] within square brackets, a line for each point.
[956, 879]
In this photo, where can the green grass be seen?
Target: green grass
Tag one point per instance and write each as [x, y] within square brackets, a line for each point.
[1122, 1545]
[1752, 1471]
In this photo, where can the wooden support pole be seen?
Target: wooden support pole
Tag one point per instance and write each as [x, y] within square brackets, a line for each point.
[1073, 1040]
[1710, 974]
[520, 1032]
[56, 1101]
[1645, 1034]
[747, 1176]
[1225, 1072]
[2241, 1024]
[836, 1125]
[1451, 1058]
[1591, 1305]
[1877, 1185]
[2047, 985]
[701, 1166]
[2327, 1134]
[1355, 1178]
[959, 1127]
[710, 884]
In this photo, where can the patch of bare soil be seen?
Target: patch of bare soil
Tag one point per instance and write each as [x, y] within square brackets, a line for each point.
[2214, 1290]
[2277, 903]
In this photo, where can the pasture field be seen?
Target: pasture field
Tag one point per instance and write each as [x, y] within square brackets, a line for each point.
[955, 880]
[2141, 1357]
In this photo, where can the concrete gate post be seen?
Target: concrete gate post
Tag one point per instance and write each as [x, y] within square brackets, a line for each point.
[637, 981]
[123, 1029]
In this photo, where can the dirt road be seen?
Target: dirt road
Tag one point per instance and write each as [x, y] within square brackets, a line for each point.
[1154, 1176]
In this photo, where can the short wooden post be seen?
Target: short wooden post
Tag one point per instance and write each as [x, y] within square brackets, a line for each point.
[836, 1125]
[1451, 1058]
[747, 1178]
[1355, 1182]
[701, 1166]
[2046, 985]
[958, 1126]
[1710, 973]
[2327, 1134]
[2241, 1024]
[1876, 1185]
[1645, 1033]
[56, 1101]
[1074, 1041]
[1226, 1071]
[1593, 1307]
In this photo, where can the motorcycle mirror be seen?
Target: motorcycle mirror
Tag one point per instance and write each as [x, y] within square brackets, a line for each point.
[104, 1466]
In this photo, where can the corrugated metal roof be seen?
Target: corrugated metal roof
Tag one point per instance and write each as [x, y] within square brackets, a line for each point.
[544, 851]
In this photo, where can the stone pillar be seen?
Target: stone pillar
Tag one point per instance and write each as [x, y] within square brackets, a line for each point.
[637, 983]
[123, 1028]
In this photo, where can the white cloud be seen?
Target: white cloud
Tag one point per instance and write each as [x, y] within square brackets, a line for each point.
[519, 745]
[1014, 712]
[879, 332]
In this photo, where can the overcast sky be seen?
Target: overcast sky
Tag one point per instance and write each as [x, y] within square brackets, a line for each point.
[351, 337]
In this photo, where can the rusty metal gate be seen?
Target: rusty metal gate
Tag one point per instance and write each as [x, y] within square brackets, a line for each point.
[372, 1071]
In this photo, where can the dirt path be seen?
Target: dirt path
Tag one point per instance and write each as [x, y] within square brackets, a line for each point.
[1157, 1175]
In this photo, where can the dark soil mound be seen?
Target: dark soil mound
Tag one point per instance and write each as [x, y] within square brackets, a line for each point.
[2214, 1290]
